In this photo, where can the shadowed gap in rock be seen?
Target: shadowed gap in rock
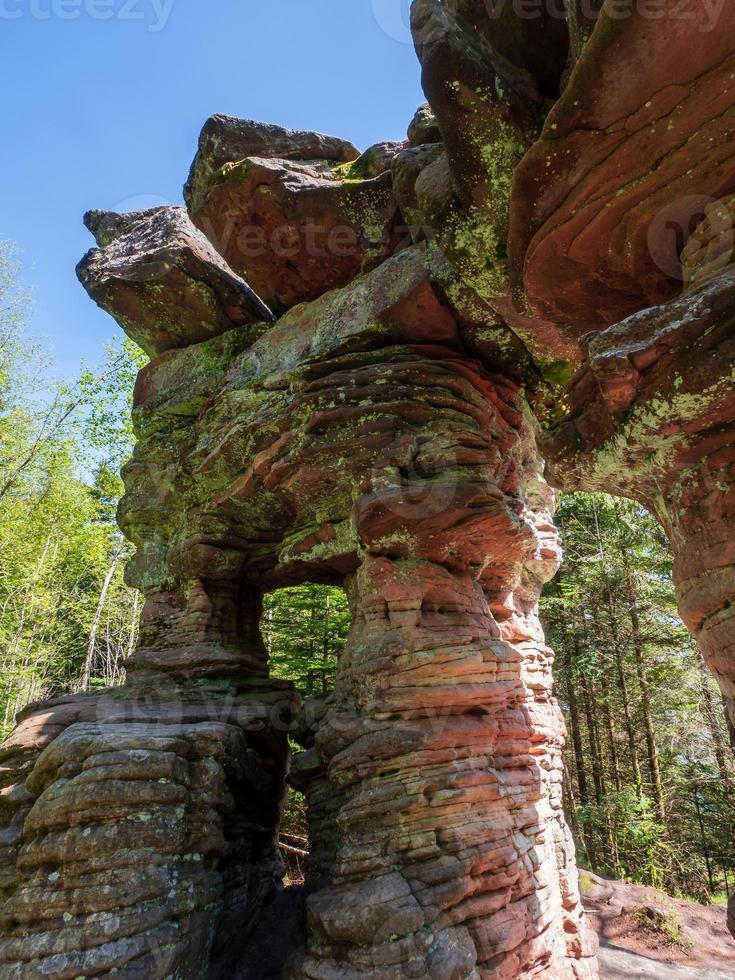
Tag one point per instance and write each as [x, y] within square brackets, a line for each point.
[304, 628]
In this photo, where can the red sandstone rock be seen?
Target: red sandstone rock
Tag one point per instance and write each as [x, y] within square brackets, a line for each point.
[164, 282]
[378, 436]
[293, 224]
[130, 857]
[423, 761]
[633, 151]
[225, 139]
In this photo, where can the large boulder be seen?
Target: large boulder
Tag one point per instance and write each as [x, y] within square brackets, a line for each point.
[163, 282]
[225, 139]
[138, 829]
[375, 160]
[424, 127]
[293, 229]
[424, 189]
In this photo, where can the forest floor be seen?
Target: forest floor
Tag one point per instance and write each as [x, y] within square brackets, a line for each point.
[646, 933]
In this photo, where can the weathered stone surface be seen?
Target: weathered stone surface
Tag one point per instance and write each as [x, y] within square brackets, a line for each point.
[106, 226]
[623, 197]
[424, 208]
[424, 127]
[376, 160]
[657, 386]
[653, 417]
[531, 41]
[295, 230]
[636, 147]
[489, 109]
[406, 167]
[711, 245]
[433, 774]
[427, 745]
[377, 435]
[225, 139]
[461, 72]
[582, 17]
[163, 281]
[145, 841]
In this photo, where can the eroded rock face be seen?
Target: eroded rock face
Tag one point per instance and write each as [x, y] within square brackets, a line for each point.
[447, 854]
[225, 139]
[295, 214]
[424, 127]
[140, 832]
[610, 238]
[653, 418]
[163, 281]
[379, 434]
[358, 441]
[635, 147]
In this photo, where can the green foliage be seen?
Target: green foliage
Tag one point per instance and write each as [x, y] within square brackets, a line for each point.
[12, 302]
[650, 766]
[666, 922]
[640, 849]
[305, 629]
[59, 488]
[104, 422]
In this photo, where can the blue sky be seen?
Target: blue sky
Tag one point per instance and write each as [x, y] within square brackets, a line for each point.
[104, 100]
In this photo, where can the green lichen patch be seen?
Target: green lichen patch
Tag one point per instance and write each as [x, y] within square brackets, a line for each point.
[346, 174]
[231, 174]
[477, 238]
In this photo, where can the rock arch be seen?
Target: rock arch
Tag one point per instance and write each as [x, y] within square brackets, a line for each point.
[356, 363]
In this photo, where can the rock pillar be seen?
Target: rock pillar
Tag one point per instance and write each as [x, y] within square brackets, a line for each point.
[701, 524]
[449, 853]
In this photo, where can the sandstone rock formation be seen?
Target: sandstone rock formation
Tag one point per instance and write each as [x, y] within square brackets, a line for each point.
[444, 309]
[140, 830]
[161, 278]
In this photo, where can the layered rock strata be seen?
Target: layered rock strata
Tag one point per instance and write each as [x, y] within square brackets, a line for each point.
[140, 831]
[434, 774]
[355, 442]
[346, 349]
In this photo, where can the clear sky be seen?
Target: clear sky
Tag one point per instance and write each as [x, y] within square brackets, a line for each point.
[104, 100]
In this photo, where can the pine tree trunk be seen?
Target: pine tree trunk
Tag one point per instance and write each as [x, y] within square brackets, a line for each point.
[576, 733]
[722, 756]
[614, 761]
[729, 725]
[643, 683]
[89, 661]
[570, 806]
[619, 667]
[635, 763]
[594, 740]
